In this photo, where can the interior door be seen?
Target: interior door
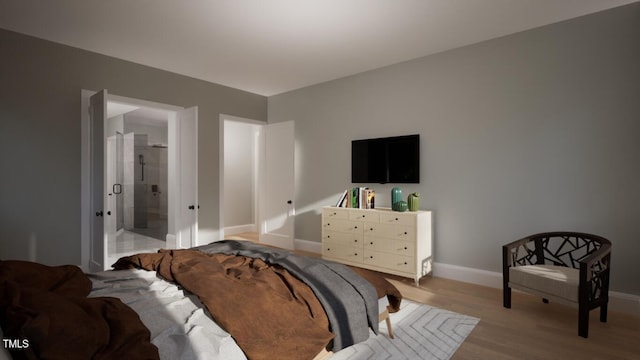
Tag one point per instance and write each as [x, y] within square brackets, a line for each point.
[187, 178]
[98, 197]
[277, 210]
[111, 226]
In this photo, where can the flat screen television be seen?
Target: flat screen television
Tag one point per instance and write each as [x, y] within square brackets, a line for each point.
[386, 160]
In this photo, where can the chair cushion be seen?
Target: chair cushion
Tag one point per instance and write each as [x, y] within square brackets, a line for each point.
[559, 281]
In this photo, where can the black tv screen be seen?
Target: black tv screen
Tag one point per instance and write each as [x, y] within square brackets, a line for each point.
[386, 160]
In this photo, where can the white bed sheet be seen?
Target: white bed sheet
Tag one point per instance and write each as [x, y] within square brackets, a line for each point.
[179, 325]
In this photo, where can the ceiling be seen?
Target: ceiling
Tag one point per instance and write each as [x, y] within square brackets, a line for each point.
[273, 46]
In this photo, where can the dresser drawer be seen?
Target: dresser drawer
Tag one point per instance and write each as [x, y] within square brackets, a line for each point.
[342, 225]
[397, 247]
[399, 232]
[343, 238]
[364, 215]
[339, 252]
[335, 213]
[398, 218]
[389, 261]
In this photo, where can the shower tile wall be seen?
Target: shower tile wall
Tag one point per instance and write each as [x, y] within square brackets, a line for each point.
[128, 192]
[145, 177]
[140, 178]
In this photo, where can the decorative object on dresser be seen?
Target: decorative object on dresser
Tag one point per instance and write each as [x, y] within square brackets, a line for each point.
[379, 239]
[396, 197]
[414, 201]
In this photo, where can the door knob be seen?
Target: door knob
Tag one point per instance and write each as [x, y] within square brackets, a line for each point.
[99, 213]
[108, 212]
[289, 202]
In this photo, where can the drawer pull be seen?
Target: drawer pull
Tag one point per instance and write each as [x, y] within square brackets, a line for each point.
[371, 256]
[363, 216]
[355, 227]
[370, 229]
[356, 240]
[396, 219]
[371, 243]
[405, 233]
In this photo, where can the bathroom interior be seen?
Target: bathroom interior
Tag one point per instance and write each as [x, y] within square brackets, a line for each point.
[140, 171]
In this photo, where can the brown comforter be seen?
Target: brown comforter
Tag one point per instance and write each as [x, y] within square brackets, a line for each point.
[269, 312]
[258, 304]
[47, 311]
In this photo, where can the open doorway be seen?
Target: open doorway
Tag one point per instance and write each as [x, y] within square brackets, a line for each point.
[239, 158]
[266, 170]
[104, 172]
[137, 174]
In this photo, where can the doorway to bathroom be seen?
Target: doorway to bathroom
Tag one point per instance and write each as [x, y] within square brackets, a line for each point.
[138, 171]
[113, 167]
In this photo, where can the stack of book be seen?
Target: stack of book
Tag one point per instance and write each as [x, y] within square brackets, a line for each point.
[357, 198]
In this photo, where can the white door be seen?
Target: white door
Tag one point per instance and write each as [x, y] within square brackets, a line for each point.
[110, 220]
[187, 179]
[98, 197]
[277, 209]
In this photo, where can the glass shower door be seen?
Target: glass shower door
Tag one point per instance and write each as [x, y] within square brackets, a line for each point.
[118, 188]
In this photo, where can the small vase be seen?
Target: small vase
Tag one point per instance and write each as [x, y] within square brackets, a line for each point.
[414, 202]
[396, 197]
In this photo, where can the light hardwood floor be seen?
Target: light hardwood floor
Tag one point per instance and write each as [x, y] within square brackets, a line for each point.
[529, 330]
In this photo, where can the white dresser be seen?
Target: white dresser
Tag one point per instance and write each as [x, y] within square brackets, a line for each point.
[392, 242]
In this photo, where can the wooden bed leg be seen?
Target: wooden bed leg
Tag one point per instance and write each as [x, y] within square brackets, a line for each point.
[388, 320]
[385, 316]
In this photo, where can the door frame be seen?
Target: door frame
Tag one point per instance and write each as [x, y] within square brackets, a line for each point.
[257, 175]
[85, 165]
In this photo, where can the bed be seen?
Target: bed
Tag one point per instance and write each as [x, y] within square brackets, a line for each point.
[225, 300]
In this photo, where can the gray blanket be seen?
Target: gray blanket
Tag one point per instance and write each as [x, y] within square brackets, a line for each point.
[349, 300]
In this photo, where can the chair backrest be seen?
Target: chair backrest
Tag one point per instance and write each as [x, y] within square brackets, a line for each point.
[559, 248]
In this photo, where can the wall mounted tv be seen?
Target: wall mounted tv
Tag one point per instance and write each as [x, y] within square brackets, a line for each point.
[386, 160]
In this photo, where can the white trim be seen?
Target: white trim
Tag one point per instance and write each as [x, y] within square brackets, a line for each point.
[470, 275]
[240, 229]
[308, 246]
[622, 302]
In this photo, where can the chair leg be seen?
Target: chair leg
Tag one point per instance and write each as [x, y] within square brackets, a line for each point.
[583, 321]
[603, 312]
[506, 297]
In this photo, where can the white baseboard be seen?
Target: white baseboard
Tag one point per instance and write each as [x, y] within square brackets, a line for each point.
[622, 302]
[308, 246]
[240, 229]
[475, 276]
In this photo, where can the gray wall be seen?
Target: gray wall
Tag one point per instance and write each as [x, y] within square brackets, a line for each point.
[40, 138]
[532, 132]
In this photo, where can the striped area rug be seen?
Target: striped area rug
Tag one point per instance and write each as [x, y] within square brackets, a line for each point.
[421, 332]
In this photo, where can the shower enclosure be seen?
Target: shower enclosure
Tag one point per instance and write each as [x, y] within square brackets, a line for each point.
[141, 178]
